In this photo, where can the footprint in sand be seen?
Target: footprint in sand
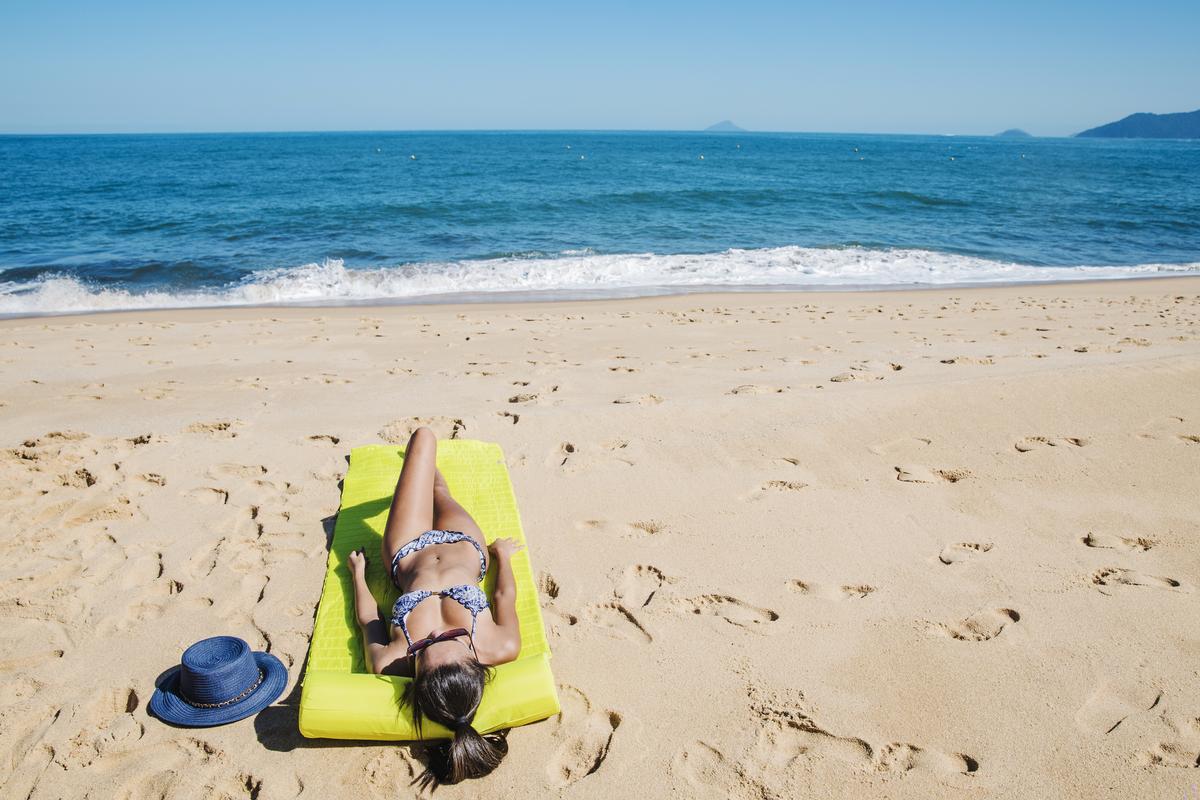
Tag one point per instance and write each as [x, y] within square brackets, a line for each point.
[978, 361]
[957, 552]
[776, 486]
[1109, 705]
[1183, 751]
[205, 559]
[241, 471]
[1032, 442]
[754, 388]
[586, 734]
[847, 591]
[902, 758]
[1115, 576]
[617, 617]
[99, 731]
[732, 610]
[637, 587]
[639, 584]
[789, 735]
[981, 626]
[106, 725]
[222, 429]
[549, 589]
[210, 495]
[635, 529]
[848, 377]
[866, 371]
[384, 772]
[1108, 541]
[326, 438]
[710, 773]
[398, 431]
[547, 585]
[638, 400]
[650, 527]
[193, 767]
[913, 473]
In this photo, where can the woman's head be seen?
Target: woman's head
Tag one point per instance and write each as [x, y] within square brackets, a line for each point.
[448, 693]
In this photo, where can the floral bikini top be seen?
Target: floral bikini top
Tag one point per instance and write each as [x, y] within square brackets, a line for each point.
[467, 595]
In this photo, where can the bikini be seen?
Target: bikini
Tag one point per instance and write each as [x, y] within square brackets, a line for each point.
[467, 595]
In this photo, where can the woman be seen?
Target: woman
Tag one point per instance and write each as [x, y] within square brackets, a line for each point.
[438, 633]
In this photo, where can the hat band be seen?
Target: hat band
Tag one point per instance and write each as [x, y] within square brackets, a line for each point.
[230, 701]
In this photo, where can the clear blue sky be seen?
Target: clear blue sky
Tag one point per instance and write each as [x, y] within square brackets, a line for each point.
[961, 67]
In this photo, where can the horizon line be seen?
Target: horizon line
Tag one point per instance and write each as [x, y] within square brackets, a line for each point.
[515, 130]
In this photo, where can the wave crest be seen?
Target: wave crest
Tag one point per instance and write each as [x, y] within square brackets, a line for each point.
[571, 274]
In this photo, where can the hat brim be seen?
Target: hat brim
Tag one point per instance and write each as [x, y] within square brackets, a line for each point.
[169, 706]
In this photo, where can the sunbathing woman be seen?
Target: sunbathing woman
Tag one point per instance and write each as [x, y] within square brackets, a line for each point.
[440, 633]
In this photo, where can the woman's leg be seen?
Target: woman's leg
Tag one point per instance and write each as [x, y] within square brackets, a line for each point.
[412, 504]
[448, 515]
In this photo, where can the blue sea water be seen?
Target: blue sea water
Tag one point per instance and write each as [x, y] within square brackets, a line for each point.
[105, 222]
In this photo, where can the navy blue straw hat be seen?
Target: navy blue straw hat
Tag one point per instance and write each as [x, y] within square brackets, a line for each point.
[218, 680]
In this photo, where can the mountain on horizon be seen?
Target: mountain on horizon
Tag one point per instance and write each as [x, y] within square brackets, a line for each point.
[724, 126]
[1182, 125]
[1014, 133]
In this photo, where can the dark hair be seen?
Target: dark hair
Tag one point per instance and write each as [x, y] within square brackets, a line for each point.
[449, 694]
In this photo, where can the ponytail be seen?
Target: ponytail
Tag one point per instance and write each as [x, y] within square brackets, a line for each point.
[471, 755]
[449, 695]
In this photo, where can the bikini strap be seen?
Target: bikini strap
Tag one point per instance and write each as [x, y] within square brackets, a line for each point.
[420, 595]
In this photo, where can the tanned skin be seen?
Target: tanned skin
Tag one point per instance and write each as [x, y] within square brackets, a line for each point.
[422, 502]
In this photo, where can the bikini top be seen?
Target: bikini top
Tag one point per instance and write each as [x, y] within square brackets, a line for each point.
[466, 595]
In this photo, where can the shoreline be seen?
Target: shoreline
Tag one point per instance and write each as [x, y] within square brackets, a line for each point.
[749, 294]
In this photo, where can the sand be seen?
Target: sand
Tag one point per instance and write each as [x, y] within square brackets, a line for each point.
[916, 544]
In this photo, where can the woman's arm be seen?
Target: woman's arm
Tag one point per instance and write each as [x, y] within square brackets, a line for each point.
[504, 603]
[383, 658]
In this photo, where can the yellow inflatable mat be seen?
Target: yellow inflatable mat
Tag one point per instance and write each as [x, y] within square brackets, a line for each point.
[340, 699]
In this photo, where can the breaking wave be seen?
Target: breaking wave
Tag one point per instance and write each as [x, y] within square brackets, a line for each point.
[568, 275]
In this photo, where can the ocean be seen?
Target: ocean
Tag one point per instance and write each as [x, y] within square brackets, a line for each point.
[90, 223]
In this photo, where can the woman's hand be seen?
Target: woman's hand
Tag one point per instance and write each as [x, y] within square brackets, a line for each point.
[504, 548]
[358, 562]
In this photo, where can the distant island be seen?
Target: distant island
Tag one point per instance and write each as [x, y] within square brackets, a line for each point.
[724, 126]
[1184, 125]
[1015, 133]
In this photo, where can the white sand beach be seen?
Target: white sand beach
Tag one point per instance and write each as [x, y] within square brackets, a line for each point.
[917, 544]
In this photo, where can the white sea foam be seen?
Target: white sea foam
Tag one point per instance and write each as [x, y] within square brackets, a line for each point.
[580, 274]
